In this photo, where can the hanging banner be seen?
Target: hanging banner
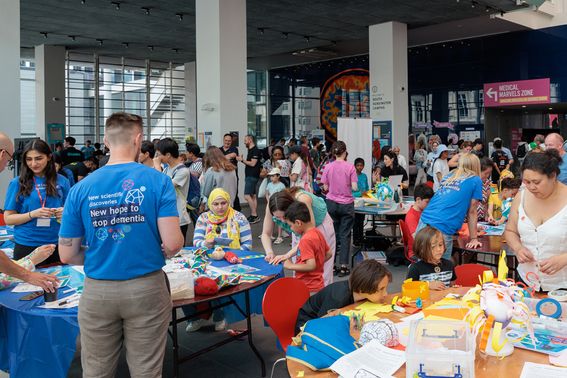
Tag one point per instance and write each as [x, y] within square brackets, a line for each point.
[522, 92]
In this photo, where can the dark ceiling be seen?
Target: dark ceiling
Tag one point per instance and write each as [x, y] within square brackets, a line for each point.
[173, 39]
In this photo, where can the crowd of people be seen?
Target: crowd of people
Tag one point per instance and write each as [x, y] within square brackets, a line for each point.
[152, 191]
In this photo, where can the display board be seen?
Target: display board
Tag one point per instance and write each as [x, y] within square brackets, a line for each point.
[357, 134]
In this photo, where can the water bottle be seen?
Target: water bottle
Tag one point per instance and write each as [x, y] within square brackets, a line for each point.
[400, 194]
[397, 195]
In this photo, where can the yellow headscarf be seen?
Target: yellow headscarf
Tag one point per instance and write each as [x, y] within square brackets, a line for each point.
[232, 226]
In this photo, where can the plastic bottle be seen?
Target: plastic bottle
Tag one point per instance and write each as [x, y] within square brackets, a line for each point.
[397, 195]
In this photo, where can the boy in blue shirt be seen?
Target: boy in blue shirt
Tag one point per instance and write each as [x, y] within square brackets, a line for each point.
[358, 227]
[126, 213]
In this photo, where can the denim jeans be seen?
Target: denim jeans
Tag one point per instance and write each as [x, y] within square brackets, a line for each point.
[448, 240]
[343, 219]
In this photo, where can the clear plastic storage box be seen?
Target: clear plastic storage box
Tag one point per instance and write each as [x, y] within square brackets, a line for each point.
[440, 348]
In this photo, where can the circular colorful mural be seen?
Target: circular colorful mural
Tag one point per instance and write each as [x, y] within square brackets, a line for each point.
[345, 94]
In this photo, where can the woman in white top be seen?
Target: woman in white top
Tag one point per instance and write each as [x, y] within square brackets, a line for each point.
[440, 166]
[537, 226]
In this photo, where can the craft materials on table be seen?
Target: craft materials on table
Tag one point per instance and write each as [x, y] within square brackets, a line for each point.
[367, 311]
[373, 358]
[491, 230]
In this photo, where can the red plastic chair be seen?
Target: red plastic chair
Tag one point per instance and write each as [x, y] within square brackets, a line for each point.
[467, 274]
[280, 306]
[407, 239]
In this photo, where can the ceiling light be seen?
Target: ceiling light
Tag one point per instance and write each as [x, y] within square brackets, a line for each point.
[116, 4]
[100, 41]
[550, 108]
[307, 39]
[146, 10]
[151, 47]
[261, 31]
[523, 106]
[175, 50]
[83, 2]
[125, 45]
[73, 37]
[473, 4]
[179, 16]
[285, 35]
[487, 9]
[44, 34]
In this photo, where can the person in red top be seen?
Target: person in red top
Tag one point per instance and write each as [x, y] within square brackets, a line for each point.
[313, 249]
[422, 194]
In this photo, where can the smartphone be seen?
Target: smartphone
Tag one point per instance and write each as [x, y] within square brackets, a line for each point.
[31, 296]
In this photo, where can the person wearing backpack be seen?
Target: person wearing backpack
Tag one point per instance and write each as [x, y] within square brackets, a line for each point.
[500, 159]
[168, 152]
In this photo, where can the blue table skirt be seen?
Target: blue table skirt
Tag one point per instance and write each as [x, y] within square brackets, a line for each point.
[37, 342]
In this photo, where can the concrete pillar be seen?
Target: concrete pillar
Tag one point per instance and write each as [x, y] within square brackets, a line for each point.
[190, 100]
[221, 70]
[388, 48]
[49, 87]
[10, 79]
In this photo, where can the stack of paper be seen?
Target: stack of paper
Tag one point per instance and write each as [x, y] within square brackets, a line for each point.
[372, 360]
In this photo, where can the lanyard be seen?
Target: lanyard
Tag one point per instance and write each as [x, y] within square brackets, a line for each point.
[41, 200]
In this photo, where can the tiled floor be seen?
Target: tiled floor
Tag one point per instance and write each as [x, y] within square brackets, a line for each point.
[235, 359]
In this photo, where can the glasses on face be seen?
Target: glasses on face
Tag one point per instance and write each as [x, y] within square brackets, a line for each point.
[7, 153]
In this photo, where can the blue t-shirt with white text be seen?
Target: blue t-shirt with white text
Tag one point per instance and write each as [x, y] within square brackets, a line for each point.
[116, 209]
[449, 206]
[29, 234]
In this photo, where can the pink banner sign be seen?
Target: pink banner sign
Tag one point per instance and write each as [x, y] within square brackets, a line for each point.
[523, 92]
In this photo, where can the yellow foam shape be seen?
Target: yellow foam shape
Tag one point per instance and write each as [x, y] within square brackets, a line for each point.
[300, 374]
[502, 267]
[374, 307]
[487, 276]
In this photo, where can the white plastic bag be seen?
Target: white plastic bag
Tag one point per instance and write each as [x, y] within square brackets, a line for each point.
[181, 284]
[262, 189]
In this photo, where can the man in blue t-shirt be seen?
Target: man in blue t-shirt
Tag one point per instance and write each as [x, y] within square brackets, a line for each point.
[126, 214]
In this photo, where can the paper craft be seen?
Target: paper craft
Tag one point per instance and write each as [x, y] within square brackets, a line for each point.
[547, 341]
[25, 287]
[372, 360]
[239, 269]
[533, 370]
[248, 278]
[491, 230]
[374, 307]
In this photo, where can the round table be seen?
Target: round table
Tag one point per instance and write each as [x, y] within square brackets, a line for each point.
[37, 342]
[485, 366]
[492, 245]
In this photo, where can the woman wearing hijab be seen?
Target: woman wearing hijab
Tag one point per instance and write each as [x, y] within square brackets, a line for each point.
[222, 221]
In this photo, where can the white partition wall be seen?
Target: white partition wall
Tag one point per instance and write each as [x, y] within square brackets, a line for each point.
[357, 134]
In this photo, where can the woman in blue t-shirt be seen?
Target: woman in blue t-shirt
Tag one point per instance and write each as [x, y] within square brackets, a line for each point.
[34, 201]
[457, 196]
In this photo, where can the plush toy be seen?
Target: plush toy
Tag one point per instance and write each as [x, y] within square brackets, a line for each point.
[217, 254]
[206, 286]
[232, 258]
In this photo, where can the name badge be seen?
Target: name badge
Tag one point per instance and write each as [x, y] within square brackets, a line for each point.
[43, 222]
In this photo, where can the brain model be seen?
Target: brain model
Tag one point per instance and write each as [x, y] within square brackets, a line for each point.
[383, 192]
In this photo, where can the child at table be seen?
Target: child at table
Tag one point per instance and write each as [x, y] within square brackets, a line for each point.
[274, 186]
[368, 281]
[28, 262]
[358, 229]
[313, 249]
[499, 203]
[422, 194]
[429, 247]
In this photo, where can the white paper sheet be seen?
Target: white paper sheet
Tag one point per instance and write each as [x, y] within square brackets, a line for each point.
[533, 370]
[25, 288]
[60, 304]
[373, 359]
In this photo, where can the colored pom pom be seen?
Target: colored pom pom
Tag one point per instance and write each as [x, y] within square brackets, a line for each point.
[206, 286]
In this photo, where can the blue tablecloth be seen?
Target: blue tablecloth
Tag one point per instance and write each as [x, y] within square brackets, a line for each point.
[4, 241]
[37, 342]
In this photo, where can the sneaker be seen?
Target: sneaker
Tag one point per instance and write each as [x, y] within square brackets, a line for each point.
[285, 234]
[278, 241]
[220, 326]
[253, 219]
[344, 271]
[195, 325]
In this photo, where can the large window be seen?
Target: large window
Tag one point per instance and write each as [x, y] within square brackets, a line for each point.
[27, 98]
[99, 86]
[257, 101]
[466, 107]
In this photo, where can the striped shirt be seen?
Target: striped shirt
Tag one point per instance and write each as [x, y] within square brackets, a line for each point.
[204, 226]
